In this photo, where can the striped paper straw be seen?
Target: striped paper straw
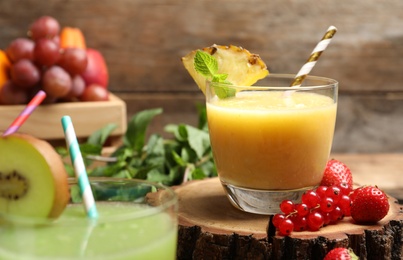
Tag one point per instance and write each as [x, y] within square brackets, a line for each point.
[34, 103]
[79, 167]
[310, 63]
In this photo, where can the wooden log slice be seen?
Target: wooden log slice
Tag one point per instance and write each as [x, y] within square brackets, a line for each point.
[211, 228]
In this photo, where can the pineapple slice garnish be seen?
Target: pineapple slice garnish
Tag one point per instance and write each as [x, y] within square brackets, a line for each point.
[243, 68]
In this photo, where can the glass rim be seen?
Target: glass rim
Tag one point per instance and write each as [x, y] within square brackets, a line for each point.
[322, 83]
[172, 201]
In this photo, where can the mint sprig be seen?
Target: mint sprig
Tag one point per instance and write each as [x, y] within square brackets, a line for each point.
[207, 65]
[185, 156]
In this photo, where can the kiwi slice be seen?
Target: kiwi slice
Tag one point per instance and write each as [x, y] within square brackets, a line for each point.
[33, 180]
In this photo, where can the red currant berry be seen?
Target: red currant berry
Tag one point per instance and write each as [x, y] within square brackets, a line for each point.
[302, 209]
[321, 191]
[310, 198]
[345, 188]
[326, 218]
[286, 227]
[287, 207]
[326, 204]
[336, 215]
[300, 223]
[334, 192]
[277, 219]
[345, 205]
[315, 221]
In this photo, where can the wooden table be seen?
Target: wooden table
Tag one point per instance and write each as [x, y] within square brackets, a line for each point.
[383, 170]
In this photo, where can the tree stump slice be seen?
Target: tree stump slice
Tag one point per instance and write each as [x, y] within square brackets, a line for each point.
[211, 228]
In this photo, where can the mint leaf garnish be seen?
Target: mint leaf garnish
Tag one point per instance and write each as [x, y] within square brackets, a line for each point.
[207, 65]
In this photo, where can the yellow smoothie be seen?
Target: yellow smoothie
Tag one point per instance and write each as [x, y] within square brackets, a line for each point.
[264, 140]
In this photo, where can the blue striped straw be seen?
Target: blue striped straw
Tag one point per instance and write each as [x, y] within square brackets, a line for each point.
[79, 167]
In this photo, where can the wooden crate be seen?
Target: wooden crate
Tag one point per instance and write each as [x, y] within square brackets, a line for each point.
[87, 117]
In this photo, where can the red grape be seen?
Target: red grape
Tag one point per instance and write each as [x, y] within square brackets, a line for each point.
[25, 74]
[44, 27]
[73, 60]
[12, 95]
[20, 48]
[77, 88]
[46, 52]
[95, 92]
[56, 82]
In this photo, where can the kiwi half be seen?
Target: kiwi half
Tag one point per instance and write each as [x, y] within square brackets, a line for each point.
[33, 180]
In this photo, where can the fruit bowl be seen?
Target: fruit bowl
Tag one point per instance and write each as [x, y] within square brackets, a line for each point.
[87, 117]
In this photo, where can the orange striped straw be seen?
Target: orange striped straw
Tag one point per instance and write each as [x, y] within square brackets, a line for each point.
[34, 103]
[310, 63]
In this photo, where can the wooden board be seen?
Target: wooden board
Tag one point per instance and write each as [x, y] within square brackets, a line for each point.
[87, 117]
[211, 228]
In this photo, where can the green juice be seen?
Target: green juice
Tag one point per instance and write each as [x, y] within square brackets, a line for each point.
[122, 231]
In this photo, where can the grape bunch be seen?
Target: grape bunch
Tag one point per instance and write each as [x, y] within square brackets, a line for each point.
[319, 207]
[38, 62]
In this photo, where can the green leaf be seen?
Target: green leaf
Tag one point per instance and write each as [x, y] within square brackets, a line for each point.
[75, 194]
[88, 148]
[199, 140]
[156, 176]
[205, 64]
[222, 91]
[137, 126]
[100, 136]
[178, 159]
[219, 77]
[201, 110]
[161, 159]
[198, 174]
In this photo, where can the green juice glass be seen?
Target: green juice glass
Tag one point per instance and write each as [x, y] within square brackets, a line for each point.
[137, 220]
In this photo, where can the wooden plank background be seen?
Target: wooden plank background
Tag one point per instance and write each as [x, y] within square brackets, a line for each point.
[143, 40]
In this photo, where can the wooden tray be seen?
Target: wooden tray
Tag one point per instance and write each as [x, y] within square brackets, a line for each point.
[87, 117]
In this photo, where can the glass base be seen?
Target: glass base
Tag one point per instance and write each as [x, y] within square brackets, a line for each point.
[265, 202]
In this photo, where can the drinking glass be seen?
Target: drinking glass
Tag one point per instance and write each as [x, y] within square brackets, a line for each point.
[271, 142]
[137, 220]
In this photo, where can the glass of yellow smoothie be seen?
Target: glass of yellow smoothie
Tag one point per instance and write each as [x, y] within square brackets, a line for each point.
[137, 220]
[271, 142]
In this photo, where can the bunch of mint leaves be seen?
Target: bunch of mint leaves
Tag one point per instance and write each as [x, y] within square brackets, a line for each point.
[170, 161]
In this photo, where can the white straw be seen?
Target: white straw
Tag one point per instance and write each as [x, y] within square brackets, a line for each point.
[313, 58]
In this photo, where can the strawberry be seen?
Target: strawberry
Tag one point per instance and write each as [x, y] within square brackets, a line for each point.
[369, 204]
[338, 174]
[340, 253]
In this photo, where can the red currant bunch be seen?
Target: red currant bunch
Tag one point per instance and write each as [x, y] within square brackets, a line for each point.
[319, 207]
